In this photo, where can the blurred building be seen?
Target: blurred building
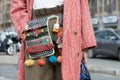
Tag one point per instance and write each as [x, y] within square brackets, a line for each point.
[105, 13]
[5, 22]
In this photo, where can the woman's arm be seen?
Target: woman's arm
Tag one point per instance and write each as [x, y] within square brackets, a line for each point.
[19, 15]
[88, 37]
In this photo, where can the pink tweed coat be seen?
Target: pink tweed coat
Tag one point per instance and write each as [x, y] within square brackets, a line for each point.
[78, 34]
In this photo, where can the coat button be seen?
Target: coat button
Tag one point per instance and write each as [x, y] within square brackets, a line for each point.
[77, 54]
[75, 32]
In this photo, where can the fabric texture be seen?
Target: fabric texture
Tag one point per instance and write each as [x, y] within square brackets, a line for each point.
[46, 3]
[78, 33]
[46, 12]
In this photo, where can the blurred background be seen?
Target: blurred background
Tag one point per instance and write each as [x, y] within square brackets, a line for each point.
[9, 42]
[103, 61]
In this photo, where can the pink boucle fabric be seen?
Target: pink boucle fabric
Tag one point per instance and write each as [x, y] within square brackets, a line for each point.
[78, 35]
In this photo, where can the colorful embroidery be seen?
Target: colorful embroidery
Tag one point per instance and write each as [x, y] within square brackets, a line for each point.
[39, 41]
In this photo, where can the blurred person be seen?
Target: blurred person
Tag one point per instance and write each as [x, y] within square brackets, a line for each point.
[78, 36]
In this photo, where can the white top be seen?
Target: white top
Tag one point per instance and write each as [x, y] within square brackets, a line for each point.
[39, 4]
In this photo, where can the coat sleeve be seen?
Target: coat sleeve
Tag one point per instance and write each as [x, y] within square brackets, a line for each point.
[88, 38]
[19, 14]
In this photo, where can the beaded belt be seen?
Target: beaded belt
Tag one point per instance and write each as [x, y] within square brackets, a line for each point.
[43, 14]
[43, 20]
[47, 11]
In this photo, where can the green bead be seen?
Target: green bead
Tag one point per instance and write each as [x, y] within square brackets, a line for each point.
[44, 42]
[47, 40]
[28, 34]
[31, 33]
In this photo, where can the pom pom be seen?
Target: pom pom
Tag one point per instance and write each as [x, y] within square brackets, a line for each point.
[29, 62]
[56, 26]
[59, 59]
[41, 62]
[52, 59]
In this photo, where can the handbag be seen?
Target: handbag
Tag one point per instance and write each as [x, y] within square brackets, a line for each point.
[84, 74]
[43, 41]
[40, 41]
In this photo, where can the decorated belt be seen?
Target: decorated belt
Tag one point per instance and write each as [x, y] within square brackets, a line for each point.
[42, 20]
[37, 13]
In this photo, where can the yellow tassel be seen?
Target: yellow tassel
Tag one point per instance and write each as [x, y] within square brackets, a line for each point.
[55, 30]
[29, 62]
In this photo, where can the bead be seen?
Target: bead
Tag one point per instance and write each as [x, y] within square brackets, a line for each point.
[59, 45]
[36, 33]
[56, 26]
[44, 42]
[42, 30]
[47, 40]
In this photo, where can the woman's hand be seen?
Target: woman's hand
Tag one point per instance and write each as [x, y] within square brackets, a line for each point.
[85, 55]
